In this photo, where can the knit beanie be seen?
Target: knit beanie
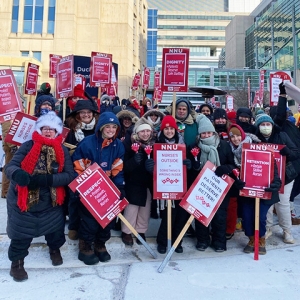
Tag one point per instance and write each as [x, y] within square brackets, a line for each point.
[231, 116]
[50, 119]
[244, 112]
[168, 121]
[41, 100]
[79, 92]
[263, 118]
[204, 124]
[45, 87]
[236, 130]
[220, 113]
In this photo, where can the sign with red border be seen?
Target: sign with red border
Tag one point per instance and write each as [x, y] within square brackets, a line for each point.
[206, 194]
[169, 172]
[98, 194]
[157, 80]
[275, 79]
[100, 71]
[157, 95]
[53, 61]
[229, 102]
[175, 67]
[31, 79]
[136, 81]
[64, 77]
[146, 78]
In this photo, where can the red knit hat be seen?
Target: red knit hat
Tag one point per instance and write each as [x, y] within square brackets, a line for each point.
[235, 129]
[168, 121]
[231, 116]
[79, 92]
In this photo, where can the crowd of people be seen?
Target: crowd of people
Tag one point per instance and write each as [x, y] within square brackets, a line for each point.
[37, 174]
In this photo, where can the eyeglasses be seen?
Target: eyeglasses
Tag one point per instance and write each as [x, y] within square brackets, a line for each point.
[48, 129]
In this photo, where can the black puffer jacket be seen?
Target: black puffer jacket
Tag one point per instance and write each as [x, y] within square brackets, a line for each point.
[42, 218]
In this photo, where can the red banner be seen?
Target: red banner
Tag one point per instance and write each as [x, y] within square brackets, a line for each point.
[261, 85]
[157, 80]
[98, 194]
[100, 72]
[206, 194]
[53, 61]
[157, 95]
[31, 79]
[175, 67]
[169, 172]
[136, 81]
[64, 77]
[10, 100]
[146, 78]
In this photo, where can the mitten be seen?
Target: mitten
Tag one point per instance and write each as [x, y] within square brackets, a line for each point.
[282, 90]
[285, 151]
[21, 177]
[41, 180]
[197, 165]
[138, 157]
[274, 187]
[149, 165]
[187, 163]
[239, 184]
[221, 170]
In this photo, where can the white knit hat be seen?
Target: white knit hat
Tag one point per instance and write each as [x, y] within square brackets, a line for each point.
[49, 119]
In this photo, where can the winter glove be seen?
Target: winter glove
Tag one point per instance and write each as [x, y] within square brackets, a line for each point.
[282, 90]
[221, 170]
[138, 157]
[21, 177]
[239, 184]
[197, 165]
[149, 165]
[40, 181]
[274, 186]
[187, 163]
[122, 191]
[285, 151]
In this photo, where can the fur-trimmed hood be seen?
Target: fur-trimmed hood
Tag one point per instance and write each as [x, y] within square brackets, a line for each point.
[127, 114]
[156, 112]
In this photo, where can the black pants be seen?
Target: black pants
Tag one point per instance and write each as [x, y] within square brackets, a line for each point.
[18, 249]
[218, 227]
[179, 219]
[73, 204]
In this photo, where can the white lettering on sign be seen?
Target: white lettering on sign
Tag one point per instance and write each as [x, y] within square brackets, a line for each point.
[175, 51]
[83, 176]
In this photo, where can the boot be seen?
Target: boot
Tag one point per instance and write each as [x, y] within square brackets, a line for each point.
[17, 270]
[73, 235]
[86, 253]
[101, 252]
[56, 258]
[127, 239]
[250, 246]
[262, 246]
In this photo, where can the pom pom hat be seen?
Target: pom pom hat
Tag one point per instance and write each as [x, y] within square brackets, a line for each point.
[168, 121]
[50, 119]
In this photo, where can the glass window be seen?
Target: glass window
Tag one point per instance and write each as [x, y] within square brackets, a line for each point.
[24, 53]
[37, 55]
[27, 26]
[51, 14]
[51, 17]
[51, 27]
[38, 14]
[16, 3]
[33, 16]
[28, 12]
[39, 2]
[15, 16]
[38, 27]
[51, 3]
[29, 2]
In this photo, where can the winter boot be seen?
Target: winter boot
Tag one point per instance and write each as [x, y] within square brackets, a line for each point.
[250, 246]
[127, 239]
[86, 253]
[73, 235]
[56, 258]
[288, 238]
[262, 246]
[17, 270]
[101, 252]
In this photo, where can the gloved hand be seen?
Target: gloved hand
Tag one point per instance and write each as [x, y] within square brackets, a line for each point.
[274, 186]
[282, 90]
[21, 177]
[122, 191]
[187, 163]
[221, 170]
[42, 180]
[138, 157]
[285, 151]
[197, 165]
[239, 184]
[149, 165]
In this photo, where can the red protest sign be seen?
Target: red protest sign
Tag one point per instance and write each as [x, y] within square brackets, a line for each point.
[146, 78]
[157, 80]
[136, 81]
[98, 194]
[22, 128]
[261, 85]
[169, 172]
[100, 72]
[111, 90]
[206, 194]
[158, 95]
[10, 101]
[175, 67]
[257, 170]
[53, 61]
[64, 77]
[31, 79]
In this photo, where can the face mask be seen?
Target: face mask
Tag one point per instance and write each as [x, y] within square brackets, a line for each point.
[265, 130]
[44, 111]
[220, 127]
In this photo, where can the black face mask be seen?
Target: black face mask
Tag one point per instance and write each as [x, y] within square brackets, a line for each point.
[220, 127]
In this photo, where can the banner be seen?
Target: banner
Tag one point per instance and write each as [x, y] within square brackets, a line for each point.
[169, 172]
[157, 80]
[53, 61]
[100, 71]
[175, 67]
[206, 194]
[257, 170]
[136, 81]
[229, 102]
[275, 79]
[31, 79]
[157, 95]
[98, 194]
[146, 78]
[64, 77]
[10, 100]
[79, 79]
[261, 85]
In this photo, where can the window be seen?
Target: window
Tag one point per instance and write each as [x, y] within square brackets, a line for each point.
[15, 16]
[37, 55]
[24, 53]
[51, 16]
[33, 16]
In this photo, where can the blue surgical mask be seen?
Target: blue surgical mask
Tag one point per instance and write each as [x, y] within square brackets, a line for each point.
[44, 111]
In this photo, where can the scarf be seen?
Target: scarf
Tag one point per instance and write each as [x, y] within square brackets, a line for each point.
[79, 135]
[209, 150]
[29, 164]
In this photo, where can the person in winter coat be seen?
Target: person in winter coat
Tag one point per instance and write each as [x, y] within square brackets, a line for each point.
[237, 138]
[106, 104]
[105, 149]
[43, 105]
[138, 171]
[244, 118]
[39, 172]
[270, 133]
[45, 89]
[127, 120]
[221, 123]
[155, 117]
[169, 135]
[218, 152]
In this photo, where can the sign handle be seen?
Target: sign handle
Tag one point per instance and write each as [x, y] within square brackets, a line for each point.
[174, 105]
[171, 251]
[137, 235]
[256, 233]
[169, 237]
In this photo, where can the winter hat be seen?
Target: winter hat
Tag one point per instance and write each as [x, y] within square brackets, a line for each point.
[244, 112]
[41, 100]
[105, 98]
[236, 130]
[78, 91]
[204, 124]
[84, 104]
[142, 124]
[258, 112]
[45, 87]
[263, 118]
[231, 115]
[127, 114]
[220, 113]
[168, 121]
[50, 119]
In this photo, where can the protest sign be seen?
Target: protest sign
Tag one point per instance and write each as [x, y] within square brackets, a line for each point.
[53, 61]
[261, 85]
[136, 81]
[157, 80]
[169, 172]
[175, 65]
[275, 79]
[31, 79]
[157, 95]
[100, 71]
[10, 101]
[146, 78]
[64, 77]
[229, 102]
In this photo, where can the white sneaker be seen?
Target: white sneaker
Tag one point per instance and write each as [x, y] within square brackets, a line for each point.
[288, 238]
[268, 233]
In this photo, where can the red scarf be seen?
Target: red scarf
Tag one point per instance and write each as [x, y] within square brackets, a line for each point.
[29, 163]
